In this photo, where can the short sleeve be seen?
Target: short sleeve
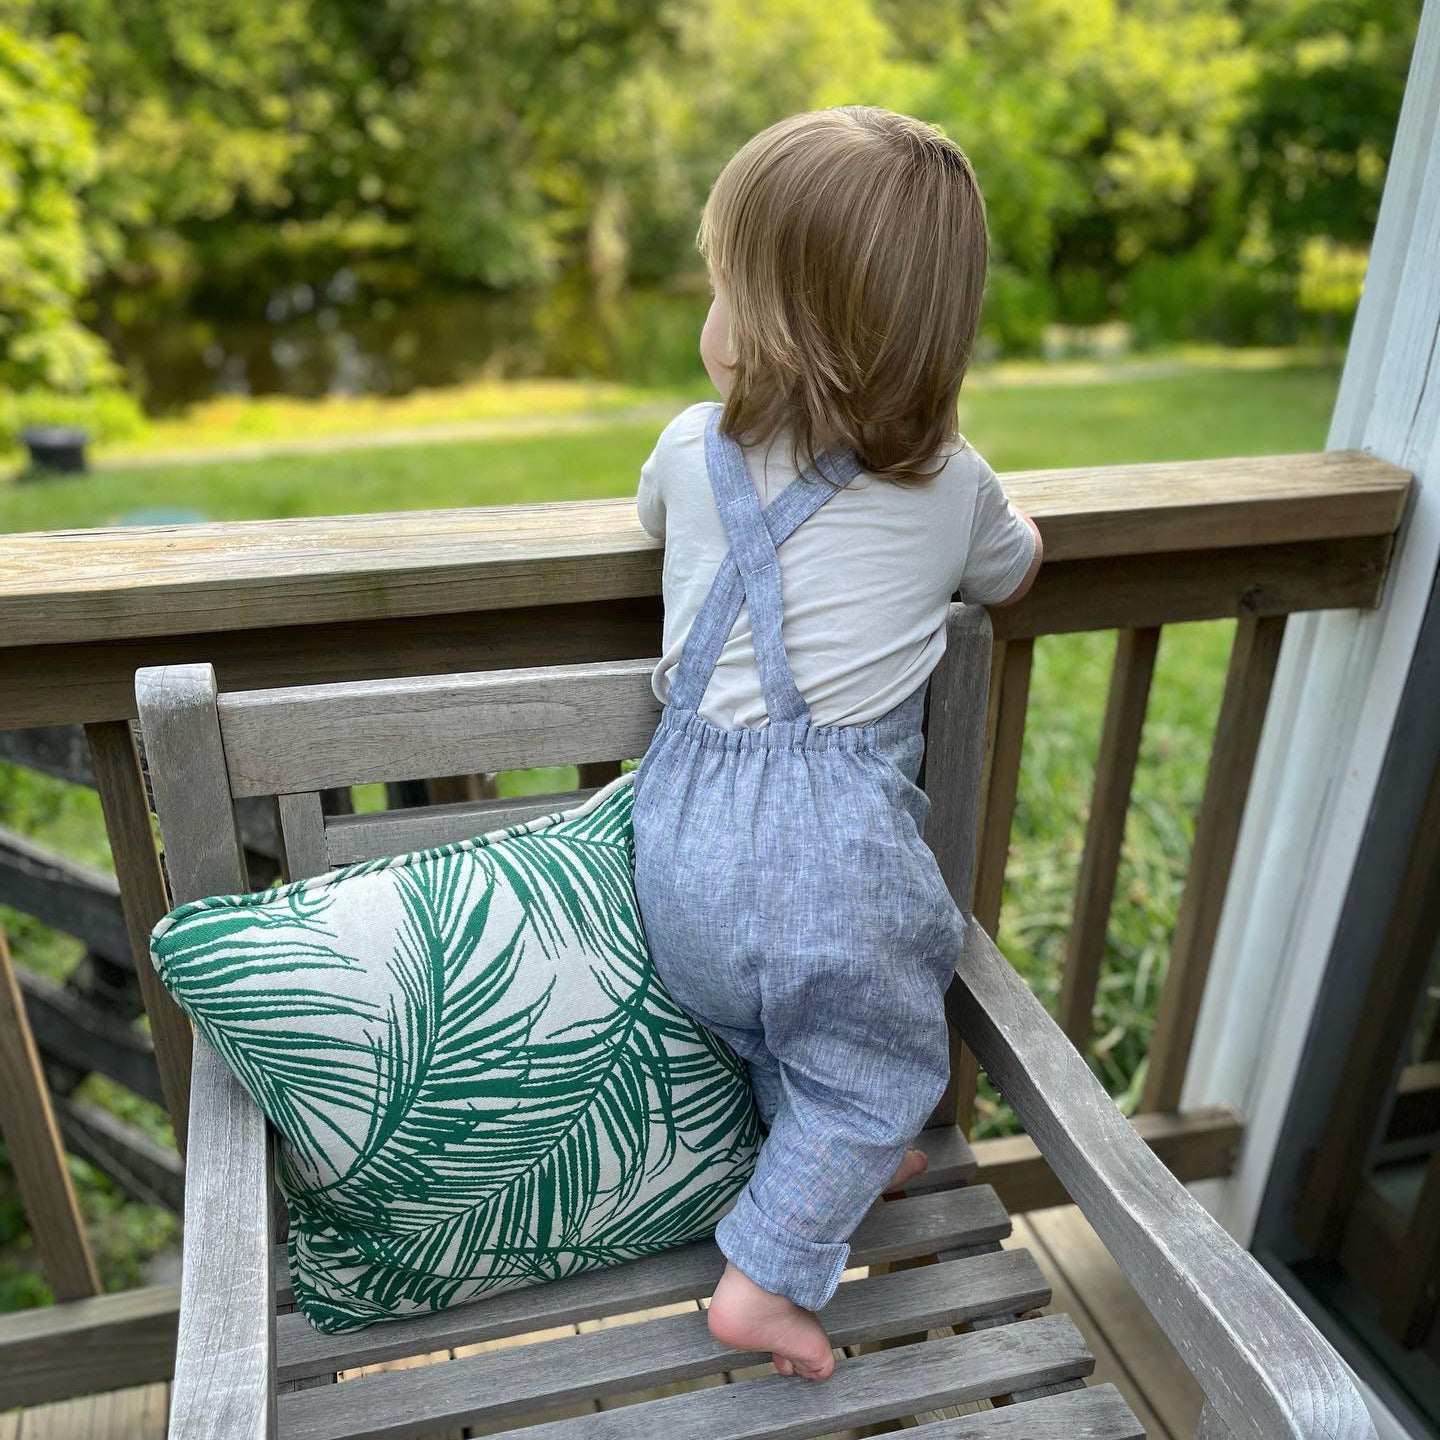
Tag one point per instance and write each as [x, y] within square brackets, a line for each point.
[650, 499]
[1002, 546]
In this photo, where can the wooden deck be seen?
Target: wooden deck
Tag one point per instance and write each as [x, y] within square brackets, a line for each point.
[1130, 1352]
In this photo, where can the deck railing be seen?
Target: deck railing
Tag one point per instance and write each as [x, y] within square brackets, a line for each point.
[1128, 548]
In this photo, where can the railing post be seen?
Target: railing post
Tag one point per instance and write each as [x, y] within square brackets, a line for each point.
[1232, 759]
[36, 1155]
[1109, 804]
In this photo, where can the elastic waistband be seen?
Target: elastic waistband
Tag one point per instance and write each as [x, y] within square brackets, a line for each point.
[896, 725]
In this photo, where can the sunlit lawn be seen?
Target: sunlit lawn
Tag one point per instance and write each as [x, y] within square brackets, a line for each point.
[1016, 426]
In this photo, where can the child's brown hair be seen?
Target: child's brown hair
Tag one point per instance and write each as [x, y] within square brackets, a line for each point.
[851, 247]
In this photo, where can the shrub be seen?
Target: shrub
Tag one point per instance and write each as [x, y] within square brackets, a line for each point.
[106, 414]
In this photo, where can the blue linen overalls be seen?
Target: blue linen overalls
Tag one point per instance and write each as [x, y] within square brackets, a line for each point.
[792, 907]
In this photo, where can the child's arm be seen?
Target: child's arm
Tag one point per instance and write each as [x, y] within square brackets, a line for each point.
[1005, 552]
[1023, 588]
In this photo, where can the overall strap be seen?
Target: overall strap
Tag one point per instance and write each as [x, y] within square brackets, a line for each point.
[750, 573]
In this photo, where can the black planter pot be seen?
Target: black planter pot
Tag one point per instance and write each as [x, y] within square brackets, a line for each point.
[56, 449]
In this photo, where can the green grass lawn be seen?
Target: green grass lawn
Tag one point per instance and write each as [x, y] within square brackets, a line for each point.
[1020, 426]
[1017, 423]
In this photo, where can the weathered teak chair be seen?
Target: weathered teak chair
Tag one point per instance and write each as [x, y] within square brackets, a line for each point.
[244, 1371]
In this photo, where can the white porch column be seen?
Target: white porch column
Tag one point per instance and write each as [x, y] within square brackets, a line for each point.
[1338, 684]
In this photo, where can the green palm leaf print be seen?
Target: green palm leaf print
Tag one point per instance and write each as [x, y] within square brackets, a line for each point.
[478, 1079]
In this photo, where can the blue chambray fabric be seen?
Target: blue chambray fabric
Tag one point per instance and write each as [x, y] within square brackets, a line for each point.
[792, 906]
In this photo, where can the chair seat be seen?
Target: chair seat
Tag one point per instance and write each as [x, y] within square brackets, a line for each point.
[531, 1362]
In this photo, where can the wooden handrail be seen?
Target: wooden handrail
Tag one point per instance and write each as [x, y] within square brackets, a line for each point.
[95, 585]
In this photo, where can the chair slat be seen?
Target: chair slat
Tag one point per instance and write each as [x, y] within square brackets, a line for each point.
[352, 838]
[881, 1386]
[597, 1363]
[1086, 1414]
[316, 737]
[952, 1161]
[302, 835]
[896, 1230]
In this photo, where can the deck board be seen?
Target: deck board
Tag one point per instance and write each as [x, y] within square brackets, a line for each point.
[134, 1414]
[1110, 1367]
[64, 587]
[1120, 1319]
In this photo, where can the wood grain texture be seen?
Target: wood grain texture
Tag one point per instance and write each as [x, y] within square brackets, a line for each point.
[883, 1385]
[955, 745]
[105, 584]
[1193, 1145]
[1121, 1316]
[1084, 1414]
[1227, 784]
[1266, 1371]
[94, 680]
[36, 1155]
[895, 1230]
[144, 901]
[88, 1345]
[135, 1413]
[1132, 592]
[225, 1362]
[1111, 1367]
[301, 822]
[955, 742]
[1109, 805]
[595, 1364]
[314, 736]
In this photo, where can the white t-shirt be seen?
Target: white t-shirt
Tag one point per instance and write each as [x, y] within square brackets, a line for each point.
[866, 581]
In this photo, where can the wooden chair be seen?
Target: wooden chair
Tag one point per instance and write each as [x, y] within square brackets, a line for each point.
[249, 1368]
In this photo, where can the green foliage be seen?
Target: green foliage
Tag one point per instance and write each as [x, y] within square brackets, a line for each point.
[47, 153]
[174, 143]
[107, 413]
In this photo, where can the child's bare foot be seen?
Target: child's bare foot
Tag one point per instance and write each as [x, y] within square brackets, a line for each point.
[916, 1162]
[745, 1317]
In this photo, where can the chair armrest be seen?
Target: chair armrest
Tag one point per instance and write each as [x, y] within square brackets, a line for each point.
[225, 1358]
[1265, 1370]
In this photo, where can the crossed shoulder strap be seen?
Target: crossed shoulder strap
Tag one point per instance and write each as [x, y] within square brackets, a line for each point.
[750, 573]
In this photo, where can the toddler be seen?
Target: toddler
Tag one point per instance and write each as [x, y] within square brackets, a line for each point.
[791, 905]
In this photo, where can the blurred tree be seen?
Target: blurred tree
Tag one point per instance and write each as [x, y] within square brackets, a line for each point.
[1314, 144]
[1101, 132]
[47, 154]
[198, 106]
[1159, 146]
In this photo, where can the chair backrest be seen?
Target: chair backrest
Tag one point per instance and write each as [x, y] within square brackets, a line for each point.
[207, 750]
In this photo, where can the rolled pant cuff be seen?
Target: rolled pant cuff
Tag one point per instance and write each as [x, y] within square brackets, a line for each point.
[804, 1271]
